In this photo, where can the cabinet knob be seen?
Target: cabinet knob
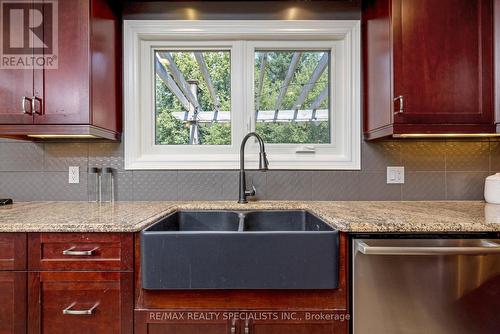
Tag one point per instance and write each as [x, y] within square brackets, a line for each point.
[25, 99]
[401, 100]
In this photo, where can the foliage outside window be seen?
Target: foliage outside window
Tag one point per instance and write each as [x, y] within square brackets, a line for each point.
[193, 89]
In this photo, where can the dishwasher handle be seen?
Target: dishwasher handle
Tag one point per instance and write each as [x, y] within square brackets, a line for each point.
[488, 247]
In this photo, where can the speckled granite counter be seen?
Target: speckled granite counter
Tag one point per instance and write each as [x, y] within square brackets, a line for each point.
[446, 216]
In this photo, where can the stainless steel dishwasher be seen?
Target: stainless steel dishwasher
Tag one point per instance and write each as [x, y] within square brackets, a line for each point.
[431, 286]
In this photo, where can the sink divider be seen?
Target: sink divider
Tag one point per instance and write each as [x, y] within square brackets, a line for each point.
[241, 225]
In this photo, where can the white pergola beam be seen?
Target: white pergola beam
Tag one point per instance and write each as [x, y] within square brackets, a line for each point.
[320, 98]
[206, 76]
[265, 116]
[262, 72]
[179, 78]
[306, 89]
[288, 78]
[170, 83]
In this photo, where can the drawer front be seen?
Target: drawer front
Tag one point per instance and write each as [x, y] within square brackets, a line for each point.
[12, 251]
[80, 251]
[80, 302]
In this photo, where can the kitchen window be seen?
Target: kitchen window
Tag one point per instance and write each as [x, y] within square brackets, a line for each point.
[193, 89]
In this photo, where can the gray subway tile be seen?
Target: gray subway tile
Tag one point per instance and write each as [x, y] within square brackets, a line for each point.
[230, 184]
[468, 156]
[495, 156]
[21, 157]
[57, 188]
[106, 155]
[59, 156]
[373, 187]
[423, 155]
[335, 185]
[155, 185]
[289, 185]
[465, 185]
[200, 185]
[22, 186]
[424, 186]
[376, 156]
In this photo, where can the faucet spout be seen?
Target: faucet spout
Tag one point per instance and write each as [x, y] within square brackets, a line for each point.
[263, 166]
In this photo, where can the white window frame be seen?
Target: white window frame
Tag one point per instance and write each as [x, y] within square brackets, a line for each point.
[141, 38]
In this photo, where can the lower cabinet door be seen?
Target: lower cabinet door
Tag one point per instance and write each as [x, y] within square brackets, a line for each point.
[293, 329]
[187, 329]
[184, 322]
[296, 322]
[12, 302]
[80, 302]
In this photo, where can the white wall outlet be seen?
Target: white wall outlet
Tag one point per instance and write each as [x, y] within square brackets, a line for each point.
[395, 175]
[74, 174]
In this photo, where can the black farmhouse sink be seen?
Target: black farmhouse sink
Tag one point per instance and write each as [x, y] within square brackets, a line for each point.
[239, 250]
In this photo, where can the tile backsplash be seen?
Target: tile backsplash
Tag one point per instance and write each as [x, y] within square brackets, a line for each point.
[434, 170]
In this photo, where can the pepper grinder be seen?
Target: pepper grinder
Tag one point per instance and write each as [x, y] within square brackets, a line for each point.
[98, 176]
[110, 191]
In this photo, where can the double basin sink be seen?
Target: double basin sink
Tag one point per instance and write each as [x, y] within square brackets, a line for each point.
[239, 250]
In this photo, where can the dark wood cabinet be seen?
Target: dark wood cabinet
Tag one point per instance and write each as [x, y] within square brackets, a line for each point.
[80, 251]
[13, 283]
[85, 283]
[80, 302]
[79, 96]
[428, 67]
[259, 321]
[12, 302]
[243, 311]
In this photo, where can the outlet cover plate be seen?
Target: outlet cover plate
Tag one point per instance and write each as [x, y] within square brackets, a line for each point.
[74, 174]
[395, 175]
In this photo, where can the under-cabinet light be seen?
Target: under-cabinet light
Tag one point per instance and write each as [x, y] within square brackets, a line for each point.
[446, 135]
[62, 136]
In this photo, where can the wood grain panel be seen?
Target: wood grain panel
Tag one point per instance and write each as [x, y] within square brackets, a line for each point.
[112, 251]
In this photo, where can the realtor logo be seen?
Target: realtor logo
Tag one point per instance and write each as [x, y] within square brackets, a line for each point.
[28, 37]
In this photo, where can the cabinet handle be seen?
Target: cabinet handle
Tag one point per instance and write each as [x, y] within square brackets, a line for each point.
[69, 311]
[23, 105]
[34, 100]
[401, 100]
[71, 252]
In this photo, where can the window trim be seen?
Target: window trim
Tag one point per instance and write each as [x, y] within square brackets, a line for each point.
[139, 35]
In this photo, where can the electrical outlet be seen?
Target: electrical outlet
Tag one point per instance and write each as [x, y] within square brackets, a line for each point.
[395, 175]
[74, 174]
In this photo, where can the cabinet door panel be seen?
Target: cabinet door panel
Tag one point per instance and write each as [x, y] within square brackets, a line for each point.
[293, 329]
[66, 88]
[443, 60]
[62, 251]
[187, 329]
[14, 84]
[12, 251]
[12, 302]
[107, 297]
[181, 321]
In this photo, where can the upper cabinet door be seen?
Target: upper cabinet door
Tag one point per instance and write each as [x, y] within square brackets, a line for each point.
[64, 88]
[443, 61]
[16, 71]
[16, 91]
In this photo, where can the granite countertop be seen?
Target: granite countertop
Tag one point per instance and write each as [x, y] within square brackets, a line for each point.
[444, 216]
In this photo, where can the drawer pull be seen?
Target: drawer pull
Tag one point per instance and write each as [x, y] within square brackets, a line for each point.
[233, 326]
[72, 252]
[69, 311]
